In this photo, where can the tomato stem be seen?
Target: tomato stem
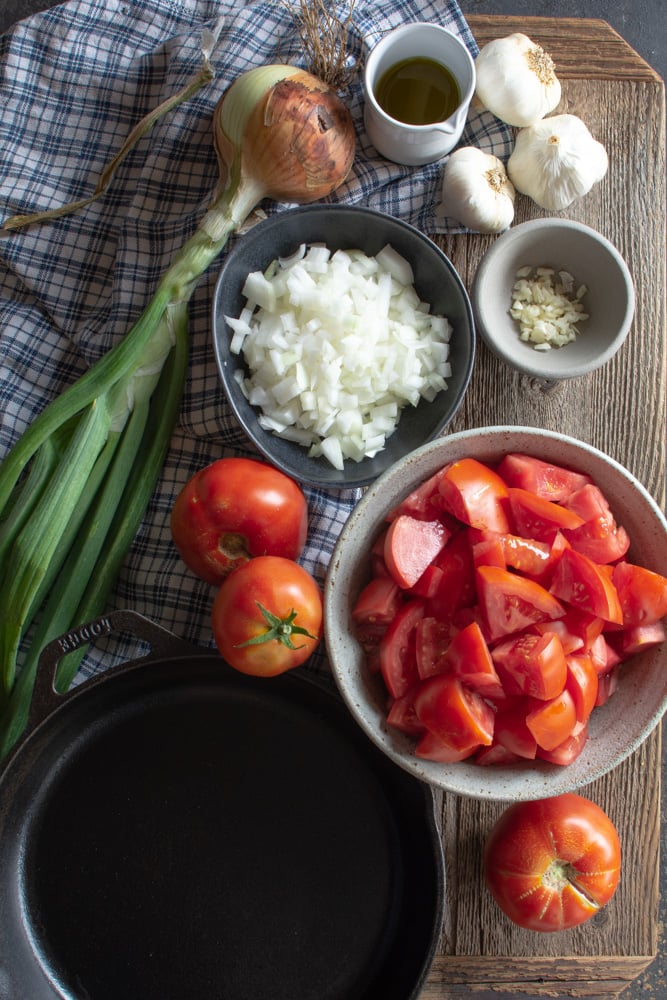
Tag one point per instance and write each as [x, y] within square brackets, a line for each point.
[280, 629]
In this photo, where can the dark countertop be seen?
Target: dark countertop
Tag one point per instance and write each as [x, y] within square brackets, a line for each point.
[643, 24]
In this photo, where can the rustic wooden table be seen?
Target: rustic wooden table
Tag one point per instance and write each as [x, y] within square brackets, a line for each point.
[620, 409]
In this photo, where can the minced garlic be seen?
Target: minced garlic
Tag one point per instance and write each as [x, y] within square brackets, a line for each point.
[546, 306]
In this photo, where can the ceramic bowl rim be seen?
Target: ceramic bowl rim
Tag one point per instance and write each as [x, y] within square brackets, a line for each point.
[499, 783]
[540, 368]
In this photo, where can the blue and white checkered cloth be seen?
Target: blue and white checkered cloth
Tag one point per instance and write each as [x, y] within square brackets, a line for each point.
[73, 82]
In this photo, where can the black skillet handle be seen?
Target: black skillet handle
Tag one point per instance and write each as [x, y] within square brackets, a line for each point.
[163, 643]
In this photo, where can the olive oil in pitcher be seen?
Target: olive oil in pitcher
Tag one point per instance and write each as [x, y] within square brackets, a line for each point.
[418, 91]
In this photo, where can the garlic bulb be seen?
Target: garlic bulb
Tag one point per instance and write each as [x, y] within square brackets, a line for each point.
[556, 161]
[476, 191]
[516, 80]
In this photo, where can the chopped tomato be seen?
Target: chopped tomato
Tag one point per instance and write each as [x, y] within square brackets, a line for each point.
[566, 752]
[570, 643]
[584, 584]
[642, 593]
[428, 583]
[430, 747]
[545, 480]
[378, 602]
[511, 603]
[398, 662]
[582, 683]
[552, 722]
[599, 538]
[423, 502]
[378, 566]
[531, 664]
[475, 494]
[603, 656]
[432, 638]
[638, 638]
[410, 545]
[456, 588]
[455, 714]
[498, 612]
[487, 549]
[583, 624]
[540, 519]
[402, 715]
[469, 658]
[495, 754]
[607, 684]
[511, 731]
[526, 554]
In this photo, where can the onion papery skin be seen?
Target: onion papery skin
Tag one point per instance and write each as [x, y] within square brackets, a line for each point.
[294, 138]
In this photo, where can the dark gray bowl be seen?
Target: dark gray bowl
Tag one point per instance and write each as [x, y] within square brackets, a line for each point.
[343, 227]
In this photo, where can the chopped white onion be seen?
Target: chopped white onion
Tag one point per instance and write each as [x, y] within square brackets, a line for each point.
[336, 345]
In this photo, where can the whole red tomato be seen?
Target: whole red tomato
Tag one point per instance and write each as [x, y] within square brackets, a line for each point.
[267, 616]
[233, 510]
[552, 864]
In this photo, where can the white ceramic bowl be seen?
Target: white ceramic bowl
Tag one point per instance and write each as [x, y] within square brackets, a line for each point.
[591, 259]
[615, 730]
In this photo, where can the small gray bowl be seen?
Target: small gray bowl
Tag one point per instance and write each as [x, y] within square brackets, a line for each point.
[346, 227]
[591, 259]
[616, 729]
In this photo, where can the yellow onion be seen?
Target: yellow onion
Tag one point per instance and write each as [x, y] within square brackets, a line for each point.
[280, 133]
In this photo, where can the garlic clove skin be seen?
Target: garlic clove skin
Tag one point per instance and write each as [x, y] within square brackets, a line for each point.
[556, 161]
[516, 80]
[476, 191]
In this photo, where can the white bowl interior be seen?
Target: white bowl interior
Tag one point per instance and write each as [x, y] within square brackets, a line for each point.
[615, 730]
[591, 259]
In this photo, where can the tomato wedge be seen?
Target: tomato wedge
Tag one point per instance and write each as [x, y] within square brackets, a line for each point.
[642, 593]
[456, 587]
[469, 658]
[432, 639]
[584, 584]
[455, 714]
[429, 747]
[552, 722]
[638, 638]
[402, 715]
[566, 752]
[398, 663]
[526, 554]
[551, 482]
[600, 537]
[410, 545]
[511, 731]
[511, 603]
[582, 683]
[378, 602]
[475, 494]
[532, 664]
[495, 754]
[423, 502]
[540, 519]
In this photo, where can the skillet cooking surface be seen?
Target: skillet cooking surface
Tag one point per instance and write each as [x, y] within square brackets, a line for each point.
[183, 832]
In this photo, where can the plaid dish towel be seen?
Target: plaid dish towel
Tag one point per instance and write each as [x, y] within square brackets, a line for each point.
[73, 82]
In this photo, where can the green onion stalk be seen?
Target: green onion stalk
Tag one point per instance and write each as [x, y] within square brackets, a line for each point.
[75, 486]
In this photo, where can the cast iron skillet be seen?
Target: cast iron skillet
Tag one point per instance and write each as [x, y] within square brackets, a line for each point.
[174, 830]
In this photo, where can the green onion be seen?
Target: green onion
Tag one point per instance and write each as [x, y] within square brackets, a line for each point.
[75, 486]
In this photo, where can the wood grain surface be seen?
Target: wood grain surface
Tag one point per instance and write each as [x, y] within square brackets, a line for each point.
[620, 409]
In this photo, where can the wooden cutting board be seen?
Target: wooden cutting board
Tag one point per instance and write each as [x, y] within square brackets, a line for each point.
[620, 409]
